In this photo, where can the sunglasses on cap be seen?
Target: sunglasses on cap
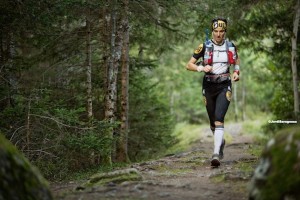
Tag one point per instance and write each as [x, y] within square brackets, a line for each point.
[217, 19]
[216, 23]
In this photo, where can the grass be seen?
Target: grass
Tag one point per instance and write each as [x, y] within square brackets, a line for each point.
[87, 173]
[218, 178]
[247, 167]
[254, 128]
[186, 133]
[256, 150]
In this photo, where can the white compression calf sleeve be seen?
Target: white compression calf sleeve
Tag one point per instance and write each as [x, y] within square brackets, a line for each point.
[218, 138]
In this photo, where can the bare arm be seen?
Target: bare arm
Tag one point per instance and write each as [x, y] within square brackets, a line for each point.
[191, 66]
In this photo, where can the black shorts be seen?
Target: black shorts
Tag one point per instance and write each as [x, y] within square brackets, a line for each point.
[217, 97]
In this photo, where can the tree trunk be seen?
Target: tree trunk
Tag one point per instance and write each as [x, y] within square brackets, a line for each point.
[243, 100]
[112, 74]
[89, 105]
[1, 52]
[111, 95]
[235, 102]
[122, 155]
[8, 67]
[105, 38]
[89, 97]
[28, 131]
[294, 59]
[111, 91]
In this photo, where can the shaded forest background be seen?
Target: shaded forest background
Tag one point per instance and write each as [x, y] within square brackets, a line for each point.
[90, 83]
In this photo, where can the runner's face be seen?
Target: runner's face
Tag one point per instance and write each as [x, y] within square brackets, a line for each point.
[218, 35]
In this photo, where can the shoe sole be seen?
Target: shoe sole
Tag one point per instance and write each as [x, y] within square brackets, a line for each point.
[215, 163]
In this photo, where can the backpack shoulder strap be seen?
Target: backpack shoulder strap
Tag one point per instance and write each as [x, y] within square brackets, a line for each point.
[209, 43]
[228, 44]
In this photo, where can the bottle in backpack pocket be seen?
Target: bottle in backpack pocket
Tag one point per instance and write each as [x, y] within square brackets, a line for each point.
[208, 54]
[231, 55]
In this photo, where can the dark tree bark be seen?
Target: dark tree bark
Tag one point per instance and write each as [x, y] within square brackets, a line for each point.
[294, 59]
[89, 105]
[122, 155]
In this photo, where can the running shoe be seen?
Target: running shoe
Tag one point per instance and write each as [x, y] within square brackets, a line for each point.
[215, 161]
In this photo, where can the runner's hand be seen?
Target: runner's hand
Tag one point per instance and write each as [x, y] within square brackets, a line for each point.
[235, 76]
[207, 68]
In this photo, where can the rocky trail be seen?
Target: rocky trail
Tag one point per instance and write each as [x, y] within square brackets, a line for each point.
[187, 175]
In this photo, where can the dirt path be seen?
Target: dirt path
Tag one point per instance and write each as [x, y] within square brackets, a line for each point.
[185, 176]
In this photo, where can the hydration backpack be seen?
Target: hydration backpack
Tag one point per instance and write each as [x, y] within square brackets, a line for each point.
[209, 49]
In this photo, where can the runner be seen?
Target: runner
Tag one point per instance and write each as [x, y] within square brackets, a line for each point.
[217, 54]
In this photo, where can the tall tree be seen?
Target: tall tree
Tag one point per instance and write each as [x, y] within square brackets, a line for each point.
[294, 58]
[114, 63]
[110, 96]
[89, 106]
[122, 154]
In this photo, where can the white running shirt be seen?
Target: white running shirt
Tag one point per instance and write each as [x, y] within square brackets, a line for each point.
[220, 59]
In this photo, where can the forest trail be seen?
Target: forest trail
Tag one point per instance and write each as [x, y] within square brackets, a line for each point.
[187, 175]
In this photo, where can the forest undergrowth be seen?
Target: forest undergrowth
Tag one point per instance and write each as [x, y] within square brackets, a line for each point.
[187, 135]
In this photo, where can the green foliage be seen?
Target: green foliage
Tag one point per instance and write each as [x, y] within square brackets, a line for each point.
[43, 93]
[69, 116]
[181, 87]
[279, 161]
[77, 149]
[17, 174]
[282, 103]
[269, 31]
[88, 143]
[185, 135]
[150, 121]
[43, 112]
[9, 116]
[254, 127]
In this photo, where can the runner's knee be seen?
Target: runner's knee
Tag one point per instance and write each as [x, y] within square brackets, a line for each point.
[219, 124]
